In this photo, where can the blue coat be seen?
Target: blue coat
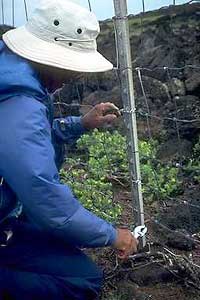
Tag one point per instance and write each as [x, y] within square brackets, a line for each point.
[28, 157]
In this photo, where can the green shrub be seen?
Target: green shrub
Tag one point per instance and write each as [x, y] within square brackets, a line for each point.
[196, 151]
[192, 167]
[95, 193]
[88, 174]
[159, 182]
[101, 157]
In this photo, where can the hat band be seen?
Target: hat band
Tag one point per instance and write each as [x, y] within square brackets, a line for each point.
[50, 36]
[62, 39]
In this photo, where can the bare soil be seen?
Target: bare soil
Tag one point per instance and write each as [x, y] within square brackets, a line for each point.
[125, 281]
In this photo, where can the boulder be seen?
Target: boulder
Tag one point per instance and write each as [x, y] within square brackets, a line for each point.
[175, 150]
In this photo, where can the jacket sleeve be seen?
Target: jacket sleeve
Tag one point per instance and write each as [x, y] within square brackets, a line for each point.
[27, 164]
[67, 130]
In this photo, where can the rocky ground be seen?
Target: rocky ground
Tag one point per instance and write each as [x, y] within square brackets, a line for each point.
[165, 38]
[150, 276]
[168, 37]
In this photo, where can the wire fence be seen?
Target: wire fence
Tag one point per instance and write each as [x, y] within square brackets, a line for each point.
[168, 116]
[143, 113]
[85, 96]
[171, 118]
[146, 113]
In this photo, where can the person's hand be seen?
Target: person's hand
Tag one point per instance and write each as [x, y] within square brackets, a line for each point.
[126, 244]
[99, 115]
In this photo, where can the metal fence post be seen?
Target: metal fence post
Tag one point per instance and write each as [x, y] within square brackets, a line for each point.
[127, 94]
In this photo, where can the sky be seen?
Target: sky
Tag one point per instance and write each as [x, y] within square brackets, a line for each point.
[103, 8]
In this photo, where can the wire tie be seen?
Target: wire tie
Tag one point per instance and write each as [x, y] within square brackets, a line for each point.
[128, 111]
[138, 181]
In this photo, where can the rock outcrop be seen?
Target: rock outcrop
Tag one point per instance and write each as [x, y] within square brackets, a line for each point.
[170, 38]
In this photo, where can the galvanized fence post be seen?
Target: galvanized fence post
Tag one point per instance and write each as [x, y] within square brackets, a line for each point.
[127, 94]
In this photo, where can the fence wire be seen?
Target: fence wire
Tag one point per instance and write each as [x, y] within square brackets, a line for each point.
[94, 168]
[162, 212]
[147, 114]
[143, 112]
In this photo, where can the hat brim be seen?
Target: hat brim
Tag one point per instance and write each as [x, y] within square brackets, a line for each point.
[27, 45]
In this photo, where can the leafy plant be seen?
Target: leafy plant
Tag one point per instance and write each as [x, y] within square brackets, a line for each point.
[192, 167]
[159, 182]
[101, 158]
[88, 174]
[196, 150]
[107, 152]
[95, 193]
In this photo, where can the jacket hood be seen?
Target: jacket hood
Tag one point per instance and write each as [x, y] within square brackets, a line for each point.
[18, 77]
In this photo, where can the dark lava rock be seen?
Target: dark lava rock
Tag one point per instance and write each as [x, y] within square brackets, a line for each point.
[193, 84]
[130, 291]
[175, 150]
[180, 241]
[165, 38]
[186, 108]
[184, 216]
[151, 275]
[156, 92]
[172, 236]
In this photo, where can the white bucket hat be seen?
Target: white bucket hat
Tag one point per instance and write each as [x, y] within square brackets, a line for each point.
[61, 34]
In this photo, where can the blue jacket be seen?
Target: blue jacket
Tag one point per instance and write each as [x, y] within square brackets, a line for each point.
[27, 157]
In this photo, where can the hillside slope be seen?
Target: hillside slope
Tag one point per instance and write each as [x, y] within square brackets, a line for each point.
[168, 37]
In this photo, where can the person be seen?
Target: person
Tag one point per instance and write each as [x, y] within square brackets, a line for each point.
[43, 226]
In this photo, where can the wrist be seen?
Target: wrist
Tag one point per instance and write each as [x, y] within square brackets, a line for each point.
[114, 238]
[85, 125]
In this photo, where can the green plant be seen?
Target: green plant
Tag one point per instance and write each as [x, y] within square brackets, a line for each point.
[192, 167]
[94, 193]
[89, 173]
[101, 158]
[196, 150]
[159, 182]
[107, 153]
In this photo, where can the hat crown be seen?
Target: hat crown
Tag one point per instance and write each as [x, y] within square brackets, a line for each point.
[64, 19]
[60, 34]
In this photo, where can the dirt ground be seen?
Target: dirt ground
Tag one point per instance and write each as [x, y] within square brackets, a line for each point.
[121, 283]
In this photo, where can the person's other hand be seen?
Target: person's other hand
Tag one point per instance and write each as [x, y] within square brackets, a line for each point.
[126, 244]
[100, 114]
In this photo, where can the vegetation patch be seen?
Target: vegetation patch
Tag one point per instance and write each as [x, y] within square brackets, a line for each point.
[101, 159]
[192, 168]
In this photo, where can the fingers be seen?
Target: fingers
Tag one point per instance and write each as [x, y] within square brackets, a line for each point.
[101, 114]
[130, 249]
[109, 105]
[108, 108]
[126, 244]
[134, 245]
[122, 255]
[108, 118]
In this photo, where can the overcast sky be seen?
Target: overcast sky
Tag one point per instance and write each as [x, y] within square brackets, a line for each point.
[102, 8]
